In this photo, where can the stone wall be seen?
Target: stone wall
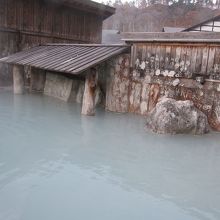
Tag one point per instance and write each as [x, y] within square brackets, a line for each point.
[117, 88]
[206, 97]
[170, 69]
[133, 92]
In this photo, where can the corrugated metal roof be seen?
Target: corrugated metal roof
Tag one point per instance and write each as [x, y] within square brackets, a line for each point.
[67, 58]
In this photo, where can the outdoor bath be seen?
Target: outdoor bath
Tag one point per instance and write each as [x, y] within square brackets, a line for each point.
[58, 164]
[90, 94]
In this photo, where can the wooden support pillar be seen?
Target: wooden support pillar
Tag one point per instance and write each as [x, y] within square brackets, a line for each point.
[88, 106]
[18, 79]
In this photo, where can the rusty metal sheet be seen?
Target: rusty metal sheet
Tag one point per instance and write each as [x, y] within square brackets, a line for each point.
[67, 58]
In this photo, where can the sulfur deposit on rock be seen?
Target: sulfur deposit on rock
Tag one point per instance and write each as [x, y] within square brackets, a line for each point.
[177, 117]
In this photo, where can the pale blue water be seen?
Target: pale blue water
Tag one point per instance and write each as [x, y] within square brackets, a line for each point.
[58, 165]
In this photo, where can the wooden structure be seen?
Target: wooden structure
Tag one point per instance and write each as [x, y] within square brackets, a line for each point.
[178, 54]
[58, 70]
[26, 23]
[183, 66]
[209, 25]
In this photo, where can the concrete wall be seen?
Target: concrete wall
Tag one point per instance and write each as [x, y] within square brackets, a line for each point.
[64, 88]
[58, 86]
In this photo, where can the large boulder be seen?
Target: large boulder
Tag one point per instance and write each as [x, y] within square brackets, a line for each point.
[177, 117]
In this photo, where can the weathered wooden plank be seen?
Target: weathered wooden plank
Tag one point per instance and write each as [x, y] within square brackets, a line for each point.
[143, 57]
[134, 55]
[183, 53]
[153, 58]
[73, 24]
[217, 56]
[168, 57]
[193, 60]
[217, 61]
[37, 18]
[28, 16]
[178, 52]
[11, 14]
[188, 73]
[211, 58]
[172, 58]
[162, 57]
[139, 52]
[198, 60]
[46, 17]
[148, 56]
[205, 53]
[157, 56]
[148, 52]
[3, 13]
[19, 15]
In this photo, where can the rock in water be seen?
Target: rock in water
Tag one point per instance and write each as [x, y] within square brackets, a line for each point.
[177, 117]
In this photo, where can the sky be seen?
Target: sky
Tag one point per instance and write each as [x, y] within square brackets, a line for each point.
[100, 1]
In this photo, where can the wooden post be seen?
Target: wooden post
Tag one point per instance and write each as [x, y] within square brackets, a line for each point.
[18, 79]
[88, 106]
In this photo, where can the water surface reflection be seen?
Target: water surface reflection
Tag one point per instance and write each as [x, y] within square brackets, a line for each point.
[56, 164]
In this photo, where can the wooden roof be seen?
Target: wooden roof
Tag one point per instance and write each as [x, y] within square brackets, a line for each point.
[188, 37]
[65, 58]
[102, 10]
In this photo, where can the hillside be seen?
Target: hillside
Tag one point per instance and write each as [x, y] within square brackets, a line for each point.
[155, 17]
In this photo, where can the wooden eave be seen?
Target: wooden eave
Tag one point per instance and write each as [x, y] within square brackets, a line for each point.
[104, 11]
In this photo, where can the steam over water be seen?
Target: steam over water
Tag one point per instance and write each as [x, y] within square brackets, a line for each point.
[58, 165]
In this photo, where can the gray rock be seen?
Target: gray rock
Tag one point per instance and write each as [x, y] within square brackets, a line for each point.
[176, 82]
[177, 117]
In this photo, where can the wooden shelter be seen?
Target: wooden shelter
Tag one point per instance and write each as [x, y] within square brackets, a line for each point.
[64, 70]
[27, 23]
[182, 66]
